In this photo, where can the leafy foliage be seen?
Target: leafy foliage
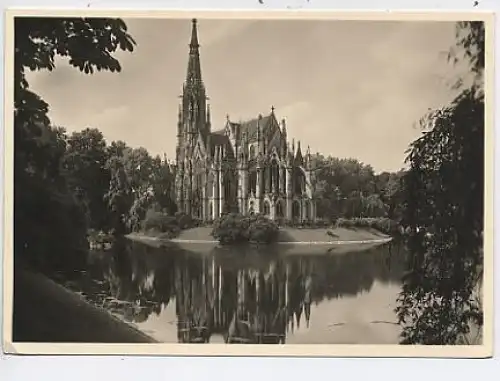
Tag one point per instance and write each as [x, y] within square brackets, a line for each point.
[49, 225]
[382, 224]
[262, 230]
[138, 182]
[157, 221]
[49, 211]
[231, 228]
[347, 188]
[84, 163]
[443, 204]
[234, 228]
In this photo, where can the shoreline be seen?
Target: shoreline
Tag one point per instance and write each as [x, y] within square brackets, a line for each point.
[40, 301]
[292, 240]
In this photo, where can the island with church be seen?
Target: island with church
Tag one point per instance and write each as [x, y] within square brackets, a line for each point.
[247, 172]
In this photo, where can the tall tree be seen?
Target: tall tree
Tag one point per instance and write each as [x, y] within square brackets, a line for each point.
[349, 188]
[86, 172]
[48, 220]
[137, 182]
[120, 196]
[443, 206]
[163, 181]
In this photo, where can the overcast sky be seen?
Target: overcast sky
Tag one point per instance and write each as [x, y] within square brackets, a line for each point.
[346, 88]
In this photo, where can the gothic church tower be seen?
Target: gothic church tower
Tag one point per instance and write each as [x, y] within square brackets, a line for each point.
[246, 166]
[193, 121]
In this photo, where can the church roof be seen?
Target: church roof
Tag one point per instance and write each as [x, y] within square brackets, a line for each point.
[250, 127]
[218, 138]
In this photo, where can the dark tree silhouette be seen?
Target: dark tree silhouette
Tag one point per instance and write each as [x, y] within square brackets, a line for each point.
[49, 222]
[443, 206]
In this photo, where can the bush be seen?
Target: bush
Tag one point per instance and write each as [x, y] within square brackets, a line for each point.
[157, 221]
[184, 221]
[234, 228]
[231, 228]
[262, 230]
[382, 224]
[160, 222]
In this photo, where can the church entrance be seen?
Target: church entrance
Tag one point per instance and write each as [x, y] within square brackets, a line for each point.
[251, 209]
[210, 210]
[229, 192]
[267, 209]
[280, 212]
[307, 210]
[296, 211]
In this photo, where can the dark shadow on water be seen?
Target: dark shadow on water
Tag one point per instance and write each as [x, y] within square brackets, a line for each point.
[244, 294]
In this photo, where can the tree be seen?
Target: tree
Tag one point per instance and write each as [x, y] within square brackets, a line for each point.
[443, 206]
[163, 183]
[138, 182]
[349, 188]
[119, 197]
[49, 223]
[86, 172]
[87, 42]
[388, 187]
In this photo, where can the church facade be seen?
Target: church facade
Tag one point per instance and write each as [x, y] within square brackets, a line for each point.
[247, 167]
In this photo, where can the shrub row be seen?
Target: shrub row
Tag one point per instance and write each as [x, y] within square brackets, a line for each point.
[305, 224]
[382, 224]
[235, 228]
[170, 226]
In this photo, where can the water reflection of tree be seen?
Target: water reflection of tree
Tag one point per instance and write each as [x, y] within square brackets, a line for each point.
[353, 273]
[135, 281]
[246, 296]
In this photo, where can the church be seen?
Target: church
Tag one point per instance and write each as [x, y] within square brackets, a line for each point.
[246, 167]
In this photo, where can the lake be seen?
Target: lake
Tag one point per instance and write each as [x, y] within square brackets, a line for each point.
[248, 294]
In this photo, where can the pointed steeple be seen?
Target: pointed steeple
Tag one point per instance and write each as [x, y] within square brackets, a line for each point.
[194, 99]
[194, 67]
[194, 36]
[299, 159]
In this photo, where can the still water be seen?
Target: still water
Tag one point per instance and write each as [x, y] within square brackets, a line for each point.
[249, 295]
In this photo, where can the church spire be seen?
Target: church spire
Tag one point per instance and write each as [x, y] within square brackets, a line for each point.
[194, 67]
[194, 99]
[194, 36]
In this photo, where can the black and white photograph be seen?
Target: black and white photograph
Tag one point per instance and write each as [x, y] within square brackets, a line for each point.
[278, 180]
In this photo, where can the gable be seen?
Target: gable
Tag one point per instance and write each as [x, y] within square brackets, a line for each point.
[268, 127]
[275, 141]
[200, 151]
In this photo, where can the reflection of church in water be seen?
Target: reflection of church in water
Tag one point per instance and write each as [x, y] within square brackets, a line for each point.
[242, 305]
[246, 167]
[244, 296]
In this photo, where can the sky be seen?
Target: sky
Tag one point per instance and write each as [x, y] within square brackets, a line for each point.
[345, 88]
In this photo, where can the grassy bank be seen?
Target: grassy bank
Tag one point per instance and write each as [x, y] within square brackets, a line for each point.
[293, 235]
[45, 311]
[292, 240]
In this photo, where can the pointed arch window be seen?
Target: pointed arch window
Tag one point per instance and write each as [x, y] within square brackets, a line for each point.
[252, 151]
